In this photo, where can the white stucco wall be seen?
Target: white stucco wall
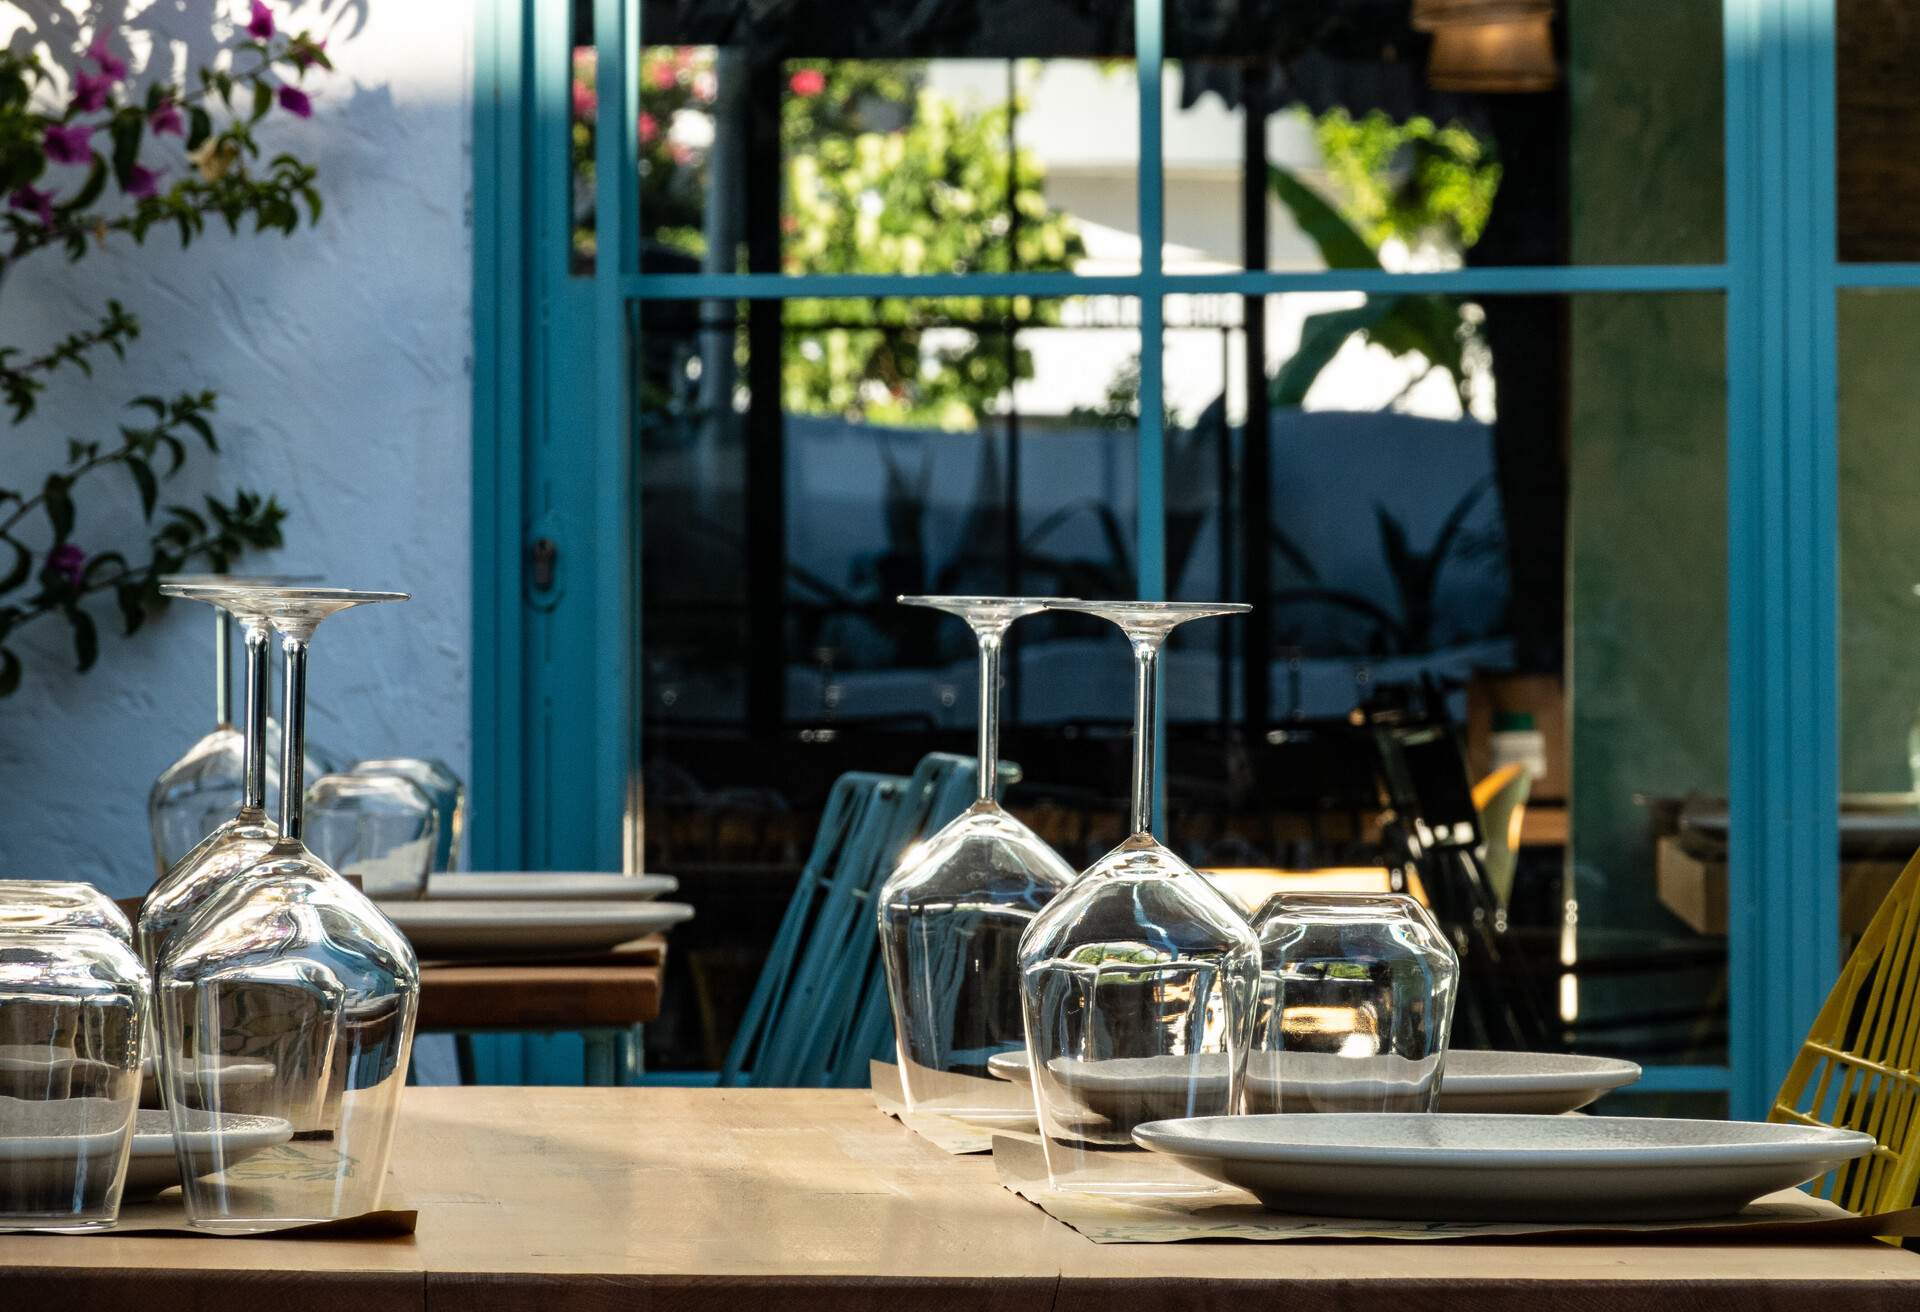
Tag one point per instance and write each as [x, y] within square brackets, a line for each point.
[342, 358]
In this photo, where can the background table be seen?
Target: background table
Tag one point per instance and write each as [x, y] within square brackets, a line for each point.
[589, 1200]
[604, 998]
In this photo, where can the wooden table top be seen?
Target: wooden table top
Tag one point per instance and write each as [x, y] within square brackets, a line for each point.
[611, 991]
[589, 1200]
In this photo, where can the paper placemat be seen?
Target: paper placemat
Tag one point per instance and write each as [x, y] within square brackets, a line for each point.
[947, 1132]
[299, 1166]
[1790, 1216]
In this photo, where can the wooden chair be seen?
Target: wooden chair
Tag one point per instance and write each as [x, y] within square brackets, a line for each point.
[1859, 1068]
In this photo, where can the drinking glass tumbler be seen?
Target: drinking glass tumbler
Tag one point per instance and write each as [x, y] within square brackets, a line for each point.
[382, 828]
[1356, 1004]
[71, 1002]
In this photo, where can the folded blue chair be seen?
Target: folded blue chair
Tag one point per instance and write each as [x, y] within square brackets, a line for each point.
[818, 1014]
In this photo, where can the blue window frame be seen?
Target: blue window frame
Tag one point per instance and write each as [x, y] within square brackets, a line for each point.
[554, 753]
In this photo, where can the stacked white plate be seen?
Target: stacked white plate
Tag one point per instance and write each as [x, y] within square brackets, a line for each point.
[1473, 1167]
[535, 913]
[1541, 1083]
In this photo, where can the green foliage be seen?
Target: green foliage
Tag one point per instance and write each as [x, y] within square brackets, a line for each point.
[881, 175]
[1432, 328]
[1411, 181]
[212, 154]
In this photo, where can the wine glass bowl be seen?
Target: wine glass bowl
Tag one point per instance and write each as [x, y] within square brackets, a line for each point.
[952, 913]
[1139, 982]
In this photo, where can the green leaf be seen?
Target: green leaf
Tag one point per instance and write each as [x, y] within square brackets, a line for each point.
[175, 448]
[199, 127]
[133, 607]
[1321, 337]
[22, 567]
[126, 131]
[1340, 246]
[262, 99]
[153, 403]
[9, 673]
[202, 427]
[143, 478]
[86, 638]
[59, 507]
[89, 191]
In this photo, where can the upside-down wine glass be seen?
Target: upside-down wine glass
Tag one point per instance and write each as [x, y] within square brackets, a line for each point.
[199, 791]
[194, 794]
[1139, 981]
[952, 913]
[294, 967]
[1356, 1004]
[244, 836]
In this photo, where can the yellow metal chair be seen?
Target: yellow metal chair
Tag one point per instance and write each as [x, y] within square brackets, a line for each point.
[1859, 1068]
[1501, 800]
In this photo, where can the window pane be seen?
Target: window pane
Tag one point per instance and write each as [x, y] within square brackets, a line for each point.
[1879, 609]
[803, 463]
[1876, 129]
[1495, 524]
[1316, 136]
[825, 140]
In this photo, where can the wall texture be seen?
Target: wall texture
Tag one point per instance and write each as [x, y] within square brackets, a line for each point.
[342, 358]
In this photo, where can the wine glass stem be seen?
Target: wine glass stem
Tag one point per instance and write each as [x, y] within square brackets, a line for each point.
[259, 684]
[1146, 695]
[222, 667]
[293, 746]
[990, 647]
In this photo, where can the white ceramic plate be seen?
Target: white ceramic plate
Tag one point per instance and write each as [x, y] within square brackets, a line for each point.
[153, 1164]
[234, 1073]
[1543, 1083]
[41, 1139]
[1502, 1168]
[1540, 1083]
[520, 928]
[549, 886]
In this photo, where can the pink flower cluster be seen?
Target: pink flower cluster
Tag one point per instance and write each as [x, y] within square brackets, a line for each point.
[70, 142]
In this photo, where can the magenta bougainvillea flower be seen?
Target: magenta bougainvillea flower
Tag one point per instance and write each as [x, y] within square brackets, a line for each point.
[649, 127]
[807, 82]
[36, 202]
[110, 65]
[90, 91]
[259, 21]
[67, 143]
[141, 181]
[68, 561]
[295, 101]
[663, 76]
[166, 121]
[585, 102]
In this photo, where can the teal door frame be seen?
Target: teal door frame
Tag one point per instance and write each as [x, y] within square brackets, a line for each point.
[555, 773]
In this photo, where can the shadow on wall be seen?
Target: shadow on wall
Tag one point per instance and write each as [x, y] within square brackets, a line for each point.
[185, 33]
[340, 359]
